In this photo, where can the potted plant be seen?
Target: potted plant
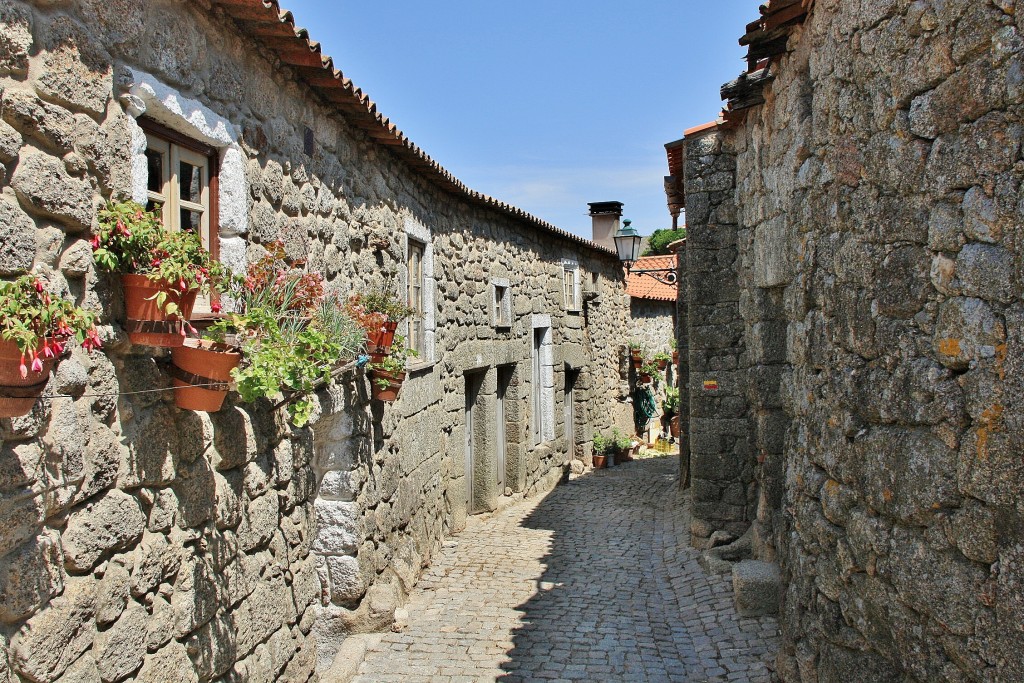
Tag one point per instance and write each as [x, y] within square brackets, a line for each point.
[662, 359]
[675, 351]
[388, 374]
[290, 335]
[601, 447]
[35, 328]
[621, 446]
[670, 406]
[636, 352]
[647, 370]
[378, 311]
[162, 271]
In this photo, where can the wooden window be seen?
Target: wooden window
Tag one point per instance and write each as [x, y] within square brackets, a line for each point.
[571, 285]
[182, 184]
[415, 296]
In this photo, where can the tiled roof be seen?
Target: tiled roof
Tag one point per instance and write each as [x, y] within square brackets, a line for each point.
[268, 24]
[643, 286]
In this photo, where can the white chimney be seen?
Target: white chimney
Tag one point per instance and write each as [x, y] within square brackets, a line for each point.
[605, 217]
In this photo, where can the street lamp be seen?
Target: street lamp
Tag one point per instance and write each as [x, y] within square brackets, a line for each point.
[627, 243]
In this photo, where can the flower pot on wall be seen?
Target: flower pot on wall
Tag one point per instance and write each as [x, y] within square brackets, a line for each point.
[202, 373]
[147, 323]
[384, 385]
[674, 426]
[18, 394]
[379, 341]
[644, 378]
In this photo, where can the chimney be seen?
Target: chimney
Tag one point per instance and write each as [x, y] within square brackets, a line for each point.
[605, 217]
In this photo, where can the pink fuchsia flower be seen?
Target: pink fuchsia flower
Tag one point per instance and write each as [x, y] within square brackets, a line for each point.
[215, 307]
[95, 242]
[39, 286]
[37, 365]
[23, 369]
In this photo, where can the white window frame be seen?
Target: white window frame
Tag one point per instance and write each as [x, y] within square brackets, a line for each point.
[571, 296]
[419, 233]
[501, 309]
[194, 120]
[542, 380]
[414, 254]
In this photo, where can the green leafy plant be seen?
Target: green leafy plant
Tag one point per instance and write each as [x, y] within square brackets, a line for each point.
[383, 300]
[657, 243]
[621, 441]
[672, 344]
[40, 324]
[649, 367]
[291, 340]
[670, 406]
[634, 345]
[602, 444]
[662, 356]
[395, 362]
[133, 241]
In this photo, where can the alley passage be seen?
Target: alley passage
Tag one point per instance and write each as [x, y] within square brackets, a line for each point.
[593, 582]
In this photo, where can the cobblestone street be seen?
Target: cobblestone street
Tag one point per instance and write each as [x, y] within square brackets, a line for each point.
[594, 582]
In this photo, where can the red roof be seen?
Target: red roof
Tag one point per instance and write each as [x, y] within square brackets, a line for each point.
[644, 286]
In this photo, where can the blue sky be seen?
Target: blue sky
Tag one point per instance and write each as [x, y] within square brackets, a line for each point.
[545, 104]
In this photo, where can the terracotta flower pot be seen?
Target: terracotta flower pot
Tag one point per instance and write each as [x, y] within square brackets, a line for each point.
[674, 426]
[18, 394]
[202, 362]
[644, 378]
[378, 342]
[675, 358]
[662, 364]
[599, 462]
[146, 322]
[389, 392]
[638, 362]
[622, 455]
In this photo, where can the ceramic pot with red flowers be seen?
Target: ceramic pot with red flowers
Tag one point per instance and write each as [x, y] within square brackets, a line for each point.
[147, 319]
[21, 383]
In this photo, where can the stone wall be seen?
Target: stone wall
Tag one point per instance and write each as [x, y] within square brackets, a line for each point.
[721, 449]
[143, 541]
[879, 314]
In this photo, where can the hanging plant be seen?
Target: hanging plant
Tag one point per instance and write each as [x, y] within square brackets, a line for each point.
[388, 375]
[162, 271]
[379, 311]
[35, 328]
[291, 337]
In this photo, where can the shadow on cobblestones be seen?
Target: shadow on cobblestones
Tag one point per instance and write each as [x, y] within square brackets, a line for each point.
[594, 582]
[622, 597]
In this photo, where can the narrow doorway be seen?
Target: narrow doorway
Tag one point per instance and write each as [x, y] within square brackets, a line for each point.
[504, 382]
[569, 401]
[473, 383]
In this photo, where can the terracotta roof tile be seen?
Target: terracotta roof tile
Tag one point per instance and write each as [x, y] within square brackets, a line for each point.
[269, 25]
[643, 286]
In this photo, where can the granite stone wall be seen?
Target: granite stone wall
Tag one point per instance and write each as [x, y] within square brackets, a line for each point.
[141, 541]
[879, 313]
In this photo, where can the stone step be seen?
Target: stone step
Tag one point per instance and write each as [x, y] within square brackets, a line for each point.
[757, 588]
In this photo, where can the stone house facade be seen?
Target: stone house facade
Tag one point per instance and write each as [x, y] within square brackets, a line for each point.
[140, 541]
[853, 296]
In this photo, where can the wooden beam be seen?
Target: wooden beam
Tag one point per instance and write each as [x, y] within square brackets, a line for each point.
[301, 58]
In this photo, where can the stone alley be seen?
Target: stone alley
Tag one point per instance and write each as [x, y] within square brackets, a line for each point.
[594, 582]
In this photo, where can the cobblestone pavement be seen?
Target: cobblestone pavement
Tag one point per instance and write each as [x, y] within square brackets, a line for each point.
[594, 582]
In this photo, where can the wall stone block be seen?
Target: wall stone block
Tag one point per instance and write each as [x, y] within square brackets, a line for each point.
[53, 639]
[112, 522]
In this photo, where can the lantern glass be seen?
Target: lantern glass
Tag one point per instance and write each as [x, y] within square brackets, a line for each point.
[627, 243]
